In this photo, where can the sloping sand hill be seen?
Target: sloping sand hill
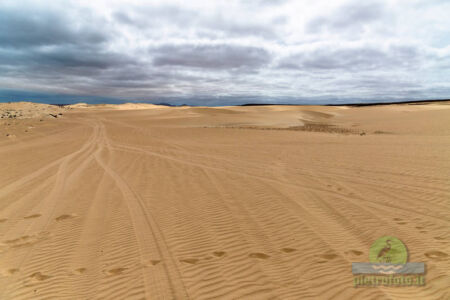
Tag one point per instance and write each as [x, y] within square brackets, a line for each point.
[264, 202]
[26, 110]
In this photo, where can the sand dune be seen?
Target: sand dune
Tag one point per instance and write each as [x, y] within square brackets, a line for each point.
[264, 202]
[26, 110]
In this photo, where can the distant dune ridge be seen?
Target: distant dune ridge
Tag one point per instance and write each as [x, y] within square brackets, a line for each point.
[136, 201]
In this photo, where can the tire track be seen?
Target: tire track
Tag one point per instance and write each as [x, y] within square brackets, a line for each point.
[140, 214]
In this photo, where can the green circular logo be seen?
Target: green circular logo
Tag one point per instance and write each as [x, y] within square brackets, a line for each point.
[388, 249]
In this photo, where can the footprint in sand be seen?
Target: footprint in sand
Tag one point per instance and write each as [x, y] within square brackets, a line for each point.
[150, 263]
[13, 271]
[155, 262]
[355, 252]
[439, 238]
[32, 216]
[26, 240]
[288, 250]
[115, 271]
[65, 217]
[219, 253]
[327, 257]
[419, 227]
[400, 221]
[39, 276]
[436, 255]
[3, 220]
[22, 238]
[80, 271]
[259, 255]
[10, 272]
[191, 261]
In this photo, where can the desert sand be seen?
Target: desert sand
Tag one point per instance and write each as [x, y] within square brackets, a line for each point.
[257, 202]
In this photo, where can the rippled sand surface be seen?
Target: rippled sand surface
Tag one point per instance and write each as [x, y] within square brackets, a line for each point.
[141, 201]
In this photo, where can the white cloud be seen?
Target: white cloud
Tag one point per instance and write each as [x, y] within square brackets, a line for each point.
[200, 50]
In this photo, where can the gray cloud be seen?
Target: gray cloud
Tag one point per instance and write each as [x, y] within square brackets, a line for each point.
[211, 56]
[236, 51]
[353, 59]
[353, 15]
[148, 17]
[26, 28]
[216, 24]
[266, 2]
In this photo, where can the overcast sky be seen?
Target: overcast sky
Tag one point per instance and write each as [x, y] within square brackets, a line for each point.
[225, 52]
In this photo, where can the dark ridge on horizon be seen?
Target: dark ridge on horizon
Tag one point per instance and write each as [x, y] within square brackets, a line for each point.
[60, 104]
[162, 104]
[358, 104]
[413, 102]
[171, 105]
